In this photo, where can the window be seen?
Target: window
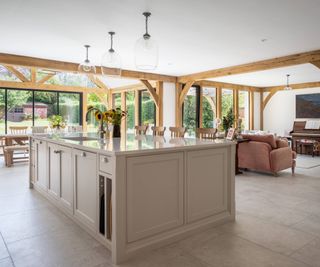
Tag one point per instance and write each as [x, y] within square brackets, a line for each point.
[147, 114]
[227, 101]
[45, 105]
[19, 108]
[208, 107]
[130, 109]
[244, 109]
[32, 107]
[2, 111]
[191, 111]
[94, 101]
[116, 100]
[69, 108]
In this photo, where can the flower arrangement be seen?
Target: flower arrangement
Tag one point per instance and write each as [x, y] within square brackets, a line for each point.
[111, 116]
[57, 122]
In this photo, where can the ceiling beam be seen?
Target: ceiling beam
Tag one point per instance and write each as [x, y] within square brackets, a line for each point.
[206, 83]
[268, 64]
[152, 92]
[46, 78]
[17, 60]
[184, 92]
[132, 87]
[17, 73]
[98, 82]
[316, 63]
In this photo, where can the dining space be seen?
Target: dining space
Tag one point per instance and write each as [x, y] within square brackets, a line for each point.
[15, 144]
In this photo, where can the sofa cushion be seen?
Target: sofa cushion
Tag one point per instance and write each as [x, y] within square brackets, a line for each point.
[282, 142]
[268, 138]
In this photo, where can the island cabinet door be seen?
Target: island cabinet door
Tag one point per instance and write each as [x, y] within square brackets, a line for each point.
[154, 194]
[54, 171]
[85, 181]
[66, 178]
[41, 164]
[207, 183]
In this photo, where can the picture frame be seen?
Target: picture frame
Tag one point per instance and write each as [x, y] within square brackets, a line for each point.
[231, 133]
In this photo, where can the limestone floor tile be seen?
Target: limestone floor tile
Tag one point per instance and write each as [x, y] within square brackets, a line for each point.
[311, 225]
[309, 254]
[31, 223]
[3, 249]
[71, 247]
[274, 236]
[232, 251]
[6, 262]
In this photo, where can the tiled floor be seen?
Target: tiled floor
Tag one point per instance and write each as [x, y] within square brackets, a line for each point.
[278, 224]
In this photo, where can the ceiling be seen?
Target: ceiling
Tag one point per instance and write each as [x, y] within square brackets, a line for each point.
[193, 36]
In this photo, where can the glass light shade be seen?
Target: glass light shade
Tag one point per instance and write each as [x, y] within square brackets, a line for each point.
[287, 88]
[111, 64]
[87, 66]
[146, 54]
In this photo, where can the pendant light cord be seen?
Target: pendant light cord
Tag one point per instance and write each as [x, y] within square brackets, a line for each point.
[147, 35]
[111, 50]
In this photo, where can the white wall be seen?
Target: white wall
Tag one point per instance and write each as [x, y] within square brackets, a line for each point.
[280, 112]
[169, 97]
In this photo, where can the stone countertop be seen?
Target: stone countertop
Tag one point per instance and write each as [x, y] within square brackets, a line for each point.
[129, 143]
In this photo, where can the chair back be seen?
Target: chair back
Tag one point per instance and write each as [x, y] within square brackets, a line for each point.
[141, 129]
[39, 129]
[158, 131]
[177, 131]
[18, 129]
[206, 133]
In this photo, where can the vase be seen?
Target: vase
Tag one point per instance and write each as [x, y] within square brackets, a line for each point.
[116, 131]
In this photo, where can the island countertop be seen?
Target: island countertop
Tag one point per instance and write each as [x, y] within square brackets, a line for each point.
[129, 143]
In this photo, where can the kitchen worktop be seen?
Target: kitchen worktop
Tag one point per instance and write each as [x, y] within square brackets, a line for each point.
[129, 143]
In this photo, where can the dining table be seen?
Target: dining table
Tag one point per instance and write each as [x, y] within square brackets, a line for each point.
[10, 139]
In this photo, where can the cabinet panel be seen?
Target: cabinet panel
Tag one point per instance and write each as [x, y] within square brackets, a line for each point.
[54, 170]
[41, 165]
[154, 194]
[206, 183]
[86, 187]
[66, 180]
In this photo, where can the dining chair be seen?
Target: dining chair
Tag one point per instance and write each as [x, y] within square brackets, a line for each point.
[18, 129]
[177, 131]
[158, 131]
[39, 129]
[141, 129]
[206, 133]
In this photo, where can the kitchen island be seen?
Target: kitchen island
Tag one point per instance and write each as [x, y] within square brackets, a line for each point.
[136, 193]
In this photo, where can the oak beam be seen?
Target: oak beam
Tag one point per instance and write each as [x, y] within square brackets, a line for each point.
[178, 109]
[33, 75]
[46, 78]
[236, 107]
[17, 73]
[219, 102]
[123, 107]
[136, 107]
[273, 63]
[251, 110]
[159, 109]
[261, 111]
[41, 63]
[206, 83]
[316, 63]
[184, 92]
[152, 92]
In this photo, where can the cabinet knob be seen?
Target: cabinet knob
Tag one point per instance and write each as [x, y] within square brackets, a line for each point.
[83, 154]
[57, 151]
[40, 142]
[105, 160]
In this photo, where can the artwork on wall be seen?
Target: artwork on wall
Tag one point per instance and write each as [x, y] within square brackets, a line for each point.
[308, 106]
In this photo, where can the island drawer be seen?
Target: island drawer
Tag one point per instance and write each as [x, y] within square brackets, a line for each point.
[106, 164]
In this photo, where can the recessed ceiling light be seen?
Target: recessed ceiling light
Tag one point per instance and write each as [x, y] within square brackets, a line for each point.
[264, 40]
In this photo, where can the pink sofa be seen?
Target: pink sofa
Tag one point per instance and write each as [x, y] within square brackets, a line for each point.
[266, 153]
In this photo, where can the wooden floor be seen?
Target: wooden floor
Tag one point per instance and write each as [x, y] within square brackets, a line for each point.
[277, 224]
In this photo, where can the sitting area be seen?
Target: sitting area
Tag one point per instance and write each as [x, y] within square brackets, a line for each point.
[266, 153]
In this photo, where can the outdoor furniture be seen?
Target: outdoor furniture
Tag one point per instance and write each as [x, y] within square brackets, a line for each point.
[316, 148]
[158, 131]
[18, 129]
[9, 151]
[39, 129]
[141, 129]
[177, 131]
[206, 133]
[11, 139]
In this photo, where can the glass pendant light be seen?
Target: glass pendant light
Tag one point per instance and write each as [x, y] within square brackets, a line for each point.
[86, 65]
[111, 61]
[146, 50]
[287, 88]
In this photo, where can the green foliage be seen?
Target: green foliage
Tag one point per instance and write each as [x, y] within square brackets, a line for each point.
[208, 115]
[228, 120]
[189, 114]
[130, 110]
[57, 121]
